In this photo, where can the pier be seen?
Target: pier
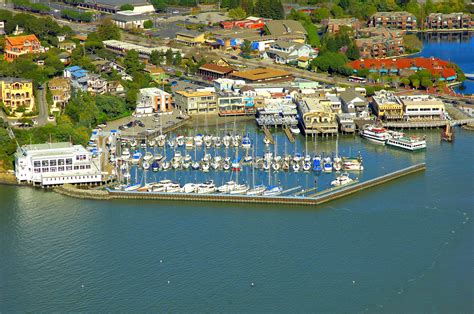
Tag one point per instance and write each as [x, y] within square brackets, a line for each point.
[315, 199]
[426, 124]
[268, 135]
[288, 133]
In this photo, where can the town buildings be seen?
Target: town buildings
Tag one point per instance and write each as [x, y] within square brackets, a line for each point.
[67, 46]
[286, 29]
[422, 107]
[17, 46]
[17, 94]
[60, 88]
[196, 102]
[459, 20]
[190, 38]
[263, 75]
[387, 106]
[250, 22]
[234, 103]
[333, 26]
[211, 71]
[56, 164]
[129, 19]
[121, 48]
[96, 85]
[284, 52]
[379, 42]
[153, 99]
[394, 20]
[354, 103]
[316, 115]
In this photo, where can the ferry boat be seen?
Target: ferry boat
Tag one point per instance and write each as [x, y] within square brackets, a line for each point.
[408, 143]
[343, 179]
[375, 134]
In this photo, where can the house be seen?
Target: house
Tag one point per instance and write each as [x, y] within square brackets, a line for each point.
[449, 21]
[60, 88]
[65, 57]
[52, 164]
[354, 104]
[81, 38]
[190, 38]
[17, 46]
[286, 29]
[263, 75]
[336, 104]
[115, 87]
[158, 74]
[387, 106]
[346, 123]
[68, 46]
[153, 99]
[394, 20]
[303, 62]
[422, 107]
[96, 85]
[284, 52]
[210, 71]
[250, 22]
[129, 19]
[17, 93]
[316, 115]
[196, 102]
[78, 76]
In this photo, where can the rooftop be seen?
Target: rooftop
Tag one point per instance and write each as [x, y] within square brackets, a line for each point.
[216, 68]
[195, 93]
[261, 74]
[20, 40]
[285, 27]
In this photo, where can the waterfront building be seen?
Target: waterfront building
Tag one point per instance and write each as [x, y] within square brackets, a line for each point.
[113, 6]
[234, 103]
[422, 107]
[346, 123]
[17, 46]
[153, 99]
[379, 42]
[458, 20]
[56, 164]
[190, 38]
[284, 52]
[354, 103]
[333, 26]
[196, 102]
[437, 67]
[387, 106]
[211, 71]
[316, 115]
[336, 104]
[277, 112]
[394, 20]
[263, 75]
[17, 94]
[60, 88]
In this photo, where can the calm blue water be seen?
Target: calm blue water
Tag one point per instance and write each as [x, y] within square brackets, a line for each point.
[459, 50]
[403, 247]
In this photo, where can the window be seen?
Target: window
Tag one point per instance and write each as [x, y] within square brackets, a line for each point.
[69, 161]
[81, 167]
[76, 167]
[37, 170]
[45, 170]
[68, 168]
[53, 162]
[60, 168]
[44, 163]
[52, 169]
[37, 164]
[60, 162]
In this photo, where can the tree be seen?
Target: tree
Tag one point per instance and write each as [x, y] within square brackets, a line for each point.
[169, 56]
[415, 82]
[177, 59]
[237, 13]
[132, 62]
[246, 47]
[337, 11]
[405, 81]
[320, 14]
[426, 82]
[148, 24]
[353, 52]
[272, 9]
[126, 7]
[160, 5]
[156, 57]
[108, 30]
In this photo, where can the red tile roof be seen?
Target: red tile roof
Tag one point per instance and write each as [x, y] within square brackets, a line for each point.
[211, 67]
[434, 65]
[20, 40]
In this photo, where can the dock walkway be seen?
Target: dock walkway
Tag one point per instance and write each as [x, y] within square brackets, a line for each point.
[319, 198]
[426, 124]
[268, 135]
[288, 133]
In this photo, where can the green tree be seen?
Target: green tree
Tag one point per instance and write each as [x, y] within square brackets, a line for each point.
[156, 57]
[169, 56]
[246, 47]
[337, 11]
[148, 24]
[353, 52]
[108, 30]
[160, 5]
[415, 82]
[426, 82]
[320, 14]
[126, 7]
[132, 62]
[177, 59]
[237, 13]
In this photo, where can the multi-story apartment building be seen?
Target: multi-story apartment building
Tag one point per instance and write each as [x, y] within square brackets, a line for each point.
[16, 93]
[379, 42]
[60, 88]
[17, 46]
[196, 102]
[394, 20]
[154, 100]
[449, 21]
[56, 164]
[96, 85]
[387, 106]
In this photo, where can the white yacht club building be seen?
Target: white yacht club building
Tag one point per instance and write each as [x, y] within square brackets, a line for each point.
[56, 164]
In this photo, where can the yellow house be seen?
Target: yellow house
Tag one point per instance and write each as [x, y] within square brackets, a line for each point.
[387, 106]
[190, 38]
[17, 93]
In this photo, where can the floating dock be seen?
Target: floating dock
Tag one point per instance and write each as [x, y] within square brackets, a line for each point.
[268, 135]
[288, 133]
[315, 199]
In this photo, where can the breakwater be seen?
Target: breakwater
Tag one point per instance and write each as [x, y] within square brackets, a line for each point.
[319, 198]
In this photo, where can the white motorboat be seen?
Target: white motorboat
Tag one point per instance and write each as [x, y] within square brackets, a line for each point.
[180, 140]
[306, 166]
[343, 179]
[131, 188]
[195, 165]
[227, 187]
[239, 189]
[258, 190]
[146, 165]
[206, 187]
[295, 129]
[337, 163]
[189, 188]
[352, 164]
[189, 142]
[273, 191]
[205, 166]
[375, 134]
[327, 164]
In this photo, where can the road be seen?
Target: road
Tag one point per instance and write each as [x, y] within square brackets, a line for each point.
[42, 105]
